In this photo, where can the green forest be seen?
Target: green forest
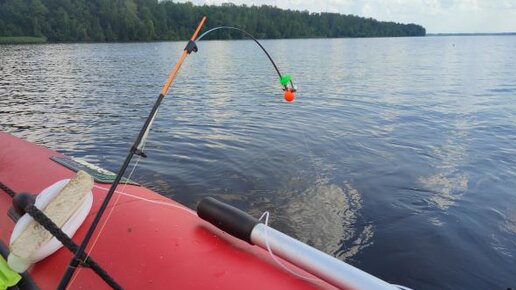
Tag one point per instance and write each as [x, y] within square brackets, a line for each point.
[149, 20]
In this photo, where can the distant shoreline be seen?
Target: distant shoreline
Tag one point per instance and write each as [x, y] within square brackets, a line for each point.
[22, 40]
[12, 40]
[471, 34]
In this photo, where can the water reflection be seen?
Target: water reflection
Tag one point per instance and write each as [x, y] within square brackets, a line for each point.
[326, 216]
[449, 185]
[510, 222]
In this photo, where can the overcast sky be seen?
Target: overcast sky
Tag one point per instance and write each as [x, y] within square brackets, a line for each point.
[435, 15]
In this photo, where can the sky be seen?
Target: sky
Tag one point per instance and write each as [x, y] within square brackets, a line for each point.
[437, 16]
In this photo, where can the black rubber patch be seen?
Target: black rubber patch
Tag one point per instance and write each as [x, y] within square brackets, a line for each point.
[13, 214]
[100, 175]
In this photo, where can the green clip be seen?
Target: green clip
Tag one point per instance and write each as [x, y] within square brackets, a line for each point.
[8, 277]
[285, 79]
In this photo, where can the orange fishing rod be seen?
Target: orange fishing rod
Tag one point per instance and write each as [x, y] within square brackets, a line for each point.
[135, 149]
[188, 49]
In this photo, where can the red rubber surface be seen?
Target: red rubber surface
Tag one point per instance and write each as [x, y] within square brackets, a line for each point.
[144, 245]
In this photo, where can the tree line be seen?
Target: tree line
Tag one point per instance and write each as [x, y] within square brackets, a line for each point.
[148, 20]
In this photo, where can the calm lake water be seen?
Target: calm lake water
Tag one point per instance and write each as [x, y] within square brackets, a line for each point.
[398, 155]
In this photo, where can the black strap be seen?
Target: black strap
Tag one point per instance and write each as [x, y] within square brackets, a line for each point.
[85, 260]
[7, 190]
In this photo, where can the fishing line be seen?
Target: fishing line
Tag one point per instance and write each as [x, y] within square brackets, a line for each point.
[108, 217]
[274, 258]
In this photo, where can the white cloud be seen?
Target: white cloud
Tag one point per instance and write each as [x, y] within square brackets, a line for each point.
[435, 15]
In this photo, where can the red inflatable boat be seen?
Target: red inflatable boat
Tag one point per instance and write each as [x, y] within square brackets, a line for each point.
[150, 241]
[144, 245]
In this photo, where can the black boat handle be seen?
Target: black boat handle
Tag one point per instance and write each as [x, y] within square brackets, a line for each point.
[227, 218]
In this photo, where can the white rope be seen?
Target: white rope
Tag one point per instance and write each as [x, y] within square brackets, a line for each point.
[152, 201]
[401, 287]
[274, 258]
